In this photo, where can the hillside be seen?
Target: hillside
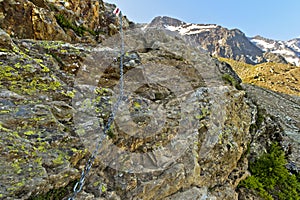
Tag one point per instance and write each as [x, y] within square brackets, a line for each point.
[283, 78]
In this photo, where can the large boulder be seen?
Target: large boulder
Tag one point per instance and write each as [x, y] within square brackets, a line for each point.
[180, 127]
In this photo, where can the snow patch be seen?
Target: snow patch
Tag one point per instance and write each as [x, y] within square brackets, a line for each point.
[290, 50]
[144, 27]
[252, 59]
[263, 44]
[293, 60]
[294, 44]
[285, 52]
[191, 29]
[221, 41]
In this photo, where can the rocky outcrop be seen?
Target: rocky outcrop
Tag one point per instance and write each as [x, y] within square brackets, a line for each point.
[162, 22]
[71, 21]
[54, 97]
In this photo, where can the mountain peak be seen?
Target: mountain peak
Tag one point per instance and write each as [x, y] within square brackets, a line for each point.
[165, 20]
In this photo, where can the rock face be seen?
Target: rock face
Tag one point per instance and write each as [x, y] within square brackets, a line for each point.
[51, 108]
[71, 21]
[219, 41]
[181, 131]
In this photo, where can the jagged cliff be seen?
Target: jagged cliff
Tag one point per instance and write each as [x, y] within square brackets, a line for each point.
[183, 130]
[71, 21]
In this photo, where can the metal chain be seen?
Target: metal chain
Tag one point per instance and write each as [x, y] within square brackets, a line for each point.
[78, 186]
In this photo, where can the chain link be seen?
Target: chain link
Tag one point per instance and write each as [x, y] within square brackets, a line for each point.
[78, 186]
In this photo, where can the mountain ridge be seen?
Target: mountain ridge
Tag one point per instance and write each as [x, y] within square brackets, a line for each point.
[289, 49]
[232, 43]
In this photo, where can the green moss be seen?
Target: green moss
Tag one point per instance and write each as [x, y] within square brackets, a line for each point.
[16, 166]
[110, 132]
[58, 193]
[4, 111]
[4, 50]
[79, 30]
[60, 159]
[38, 161]
[35, 85]
[15, 134]
[97, 183]
[27, 78]
[253, 183]
[63, 51]
[76, 150]
[203, 114]
[13, 151]
[260, 117]
[51, 45]
[66, 24]
[29, 133]
[103, 189]
[38, 60]
[16, 186]
[229, 79]
[270, 178]
[100, 91]
[42, 146]
[7, 71]
[136, 105]
[70, 94]
[4, 129]
[44, 68]
[19, 184]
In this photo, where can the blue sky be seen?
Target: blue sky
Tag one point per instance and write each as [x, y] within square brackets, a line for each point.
[274, 19]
